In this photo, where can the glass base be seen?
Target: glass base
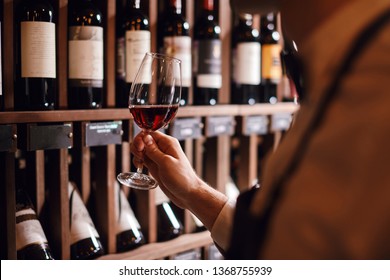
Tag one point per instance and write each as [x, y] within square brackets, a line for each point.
[137, 180]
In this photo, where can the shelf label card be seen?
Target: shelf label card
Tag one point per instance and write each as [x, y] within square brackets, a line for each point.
[281, 121]
[6, 142]
[103, 133]
[221, 125]
[47, 137]
[255, 125]
[187, 128]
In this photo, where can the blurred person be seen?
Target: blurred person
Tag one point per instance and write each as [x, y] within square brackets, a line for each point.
[325, 191]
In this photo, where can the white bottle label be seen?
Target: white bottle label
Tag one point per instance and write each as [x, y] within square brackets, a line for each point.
[86, 53]
[38, 49]
[28, 229]
[125, 218]
[180, 47]
[137, 44]
[81, 226]
[247, 64]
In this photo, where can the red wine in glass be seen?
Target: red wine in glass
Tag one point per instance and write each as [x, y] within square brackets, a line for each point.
[154, 99]
[153, 117]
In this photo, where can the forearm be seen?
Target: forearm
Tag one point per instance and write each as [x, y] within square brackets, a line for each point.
[206, 203]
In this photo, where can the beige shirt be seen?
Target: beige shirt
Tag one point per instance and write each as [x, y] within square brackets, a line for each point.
[336, 205]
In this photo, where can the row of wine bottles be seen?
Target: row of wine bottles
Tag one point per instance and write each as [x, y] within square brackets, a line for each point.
[256, 61]
[31, 242]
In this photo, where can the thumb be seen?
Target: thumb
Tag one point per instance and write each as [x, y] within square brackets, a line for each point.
[151, 150]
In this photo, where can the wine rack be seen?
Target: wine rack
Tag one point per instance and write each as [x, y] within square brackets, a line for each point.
[205, 133]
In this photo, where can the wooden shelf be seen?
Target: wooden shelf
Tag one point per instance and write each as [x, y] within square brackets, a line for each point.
[155, 251]
[123, 114]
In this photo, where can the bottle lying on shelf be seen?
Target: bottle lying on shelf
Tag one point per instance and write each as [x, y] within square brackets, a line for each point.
[128, 230]
[84, 238]
[31, 242]
[168, 225]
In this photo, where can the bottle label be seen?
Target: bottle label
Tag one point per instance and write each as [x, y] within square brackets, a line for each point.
[125, 217]
[208, 63]
[86, 56]
[120, 59]
[38, 49]
[271, 63]
[137, 44]
[180, 47]
[81, 225]
[247, 64]
[28, 229]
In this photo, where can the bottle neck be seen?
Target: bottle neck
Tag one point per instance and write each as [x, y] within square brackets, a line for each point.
[134, 4]
[176, 6]
[268, 23]
[208, 5]
[246, 20]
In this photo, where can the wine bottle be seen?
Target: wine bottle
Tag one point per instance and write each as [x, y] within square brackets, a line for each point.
[85, 55]
[168, 225]
[207, 57]
[1, 55]
[133, 41]
[246, 65]
[128, 230]
[177, 43]
[31, 242]
[271, 69]
[84, 239]
[292, 72]
[35, 87]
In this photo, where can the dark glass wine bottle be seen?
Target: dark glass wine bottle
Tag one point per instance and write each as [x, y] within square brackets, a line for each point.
[128, 230]
[1, 55]
[31, 242]
[246, 52]
[35, 87]
[207, 57]
[133, 41]
[292, 72]
[177, 43]
[84, 239]
[85, 55]
[168, 225]
[271, 68]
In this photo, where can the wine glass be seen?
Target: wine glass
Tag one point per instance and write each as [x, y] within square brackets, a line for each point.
[153, 101]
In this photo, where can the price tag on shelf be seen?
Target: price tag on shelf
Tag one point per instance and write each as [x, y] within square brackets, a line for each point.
[255, 125]
[47, 137]
[103, 133]
[187, 128]
[6, 138]
[281, 121]
[221, 125]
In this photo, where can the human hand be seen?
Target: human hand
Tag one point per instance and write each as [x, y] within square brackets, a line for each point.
[166, 161]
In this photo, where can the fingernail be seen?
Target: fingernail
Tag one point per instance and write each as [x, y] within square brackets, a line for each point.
[148, 140]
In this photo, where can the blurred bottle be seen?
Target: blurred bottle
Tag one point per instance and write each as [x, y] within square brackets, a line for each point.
[292, 72]
[271, 68]
[128, 230]
[133, 41]
[246, 65]
[168, 225]
[31, 242]
[85, 55]
[35, 87]
[84, 239]
[207, 57]
[177, 43]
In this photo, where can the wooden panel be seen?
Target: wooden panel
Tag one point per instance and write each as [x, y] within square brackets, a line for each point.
[110, 58]
[8, 55]
[247, 169]
[59, 231]
[155, 251]
[7, 206]
[62, 53]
